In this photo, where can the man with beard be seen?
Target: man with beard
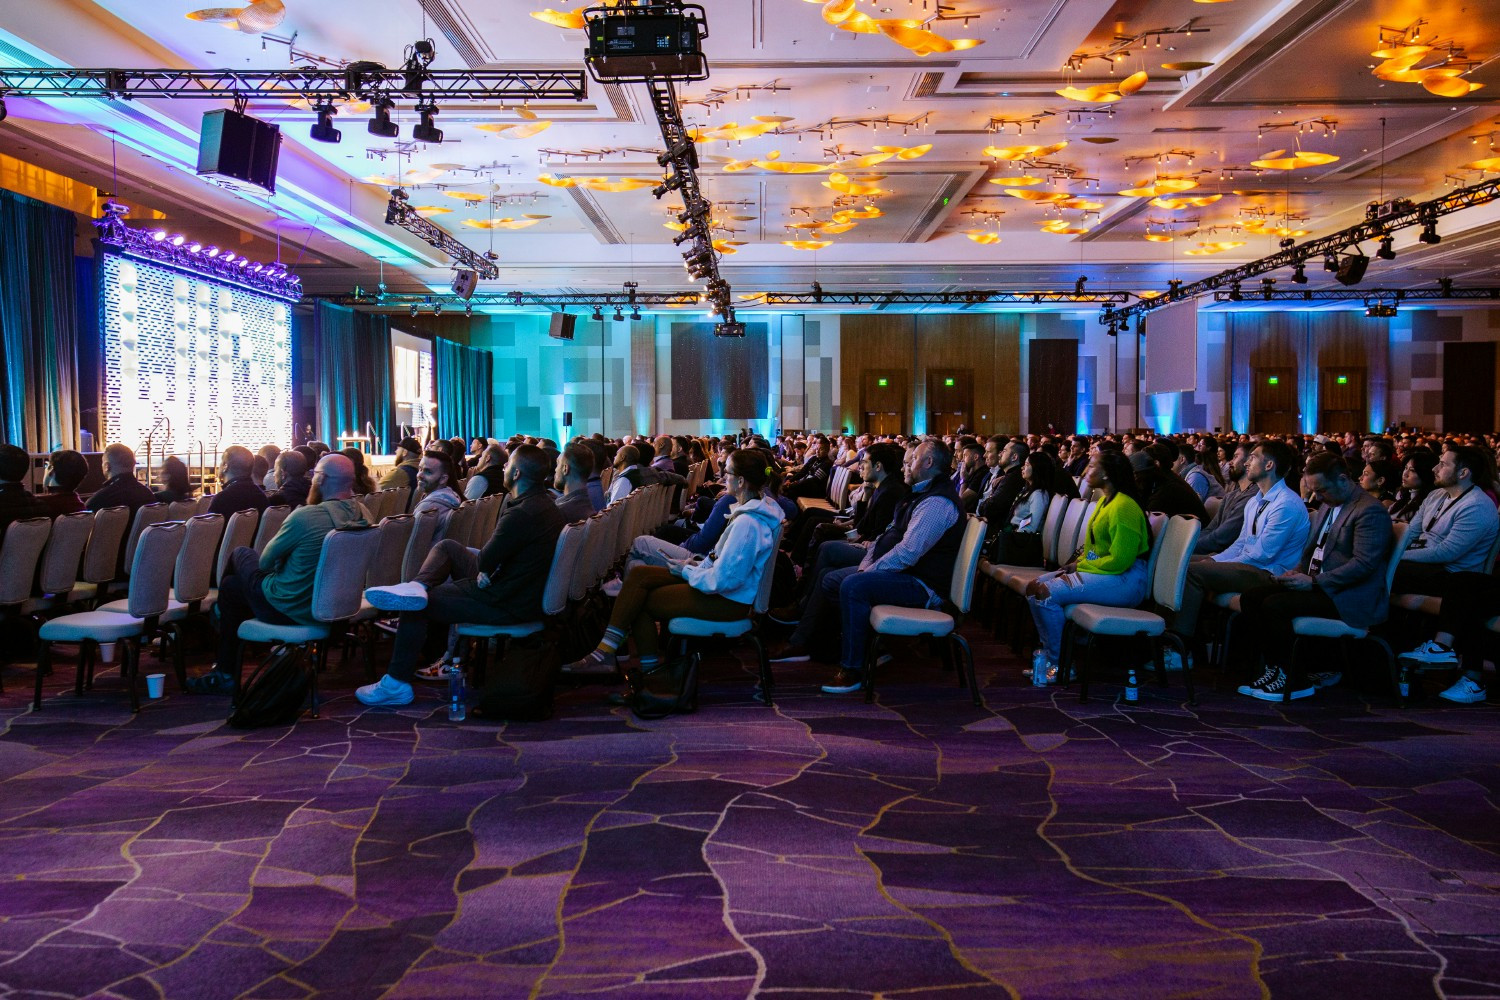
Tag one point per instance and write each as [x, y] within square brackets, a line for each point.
[435, 478]
[276, 586]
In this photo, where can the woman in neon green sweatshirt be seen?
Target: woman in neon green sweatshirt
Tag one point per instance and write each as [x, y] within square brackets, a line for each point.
[1110, 566]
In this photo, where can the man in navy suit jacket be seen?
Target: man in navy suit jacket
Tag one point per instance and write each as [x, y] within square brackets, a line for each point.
[1342, 575]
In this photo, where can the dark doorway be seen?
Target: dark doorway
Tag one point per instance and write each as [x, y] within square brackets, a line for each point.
[883, 395]
[1469, 387]
[1273, 401]
[950, 399]
[1342, 403]
[1052, 401]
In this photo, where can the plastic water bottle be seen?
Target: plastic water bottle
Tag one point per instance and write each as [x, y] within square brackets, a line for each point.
[1405, 683]
[458, 703]
[1039, 669]
[1132, 687]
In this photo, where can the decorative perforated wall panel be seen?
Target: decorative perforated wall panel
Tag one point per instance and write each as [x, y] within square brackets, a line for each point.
[191, 350]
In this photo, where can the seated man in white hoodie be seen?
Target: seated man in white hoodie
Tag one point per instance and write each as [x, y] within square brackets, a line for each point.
[721, 586]
[1272, 536]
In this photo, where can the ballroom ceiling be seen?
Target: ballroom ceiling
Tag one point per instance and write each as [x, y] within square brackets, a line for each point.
[961, 168]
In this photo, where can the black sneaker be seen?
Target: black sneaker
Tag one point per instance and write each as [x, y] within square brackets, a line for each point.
[213, 682]
[1280, 688]
[1265, 678]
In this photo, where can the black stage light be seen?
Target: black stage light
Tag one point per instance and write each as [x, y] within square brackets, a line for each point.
[324, 131]
[1429, 234]
[1299, 274]
[425, 130]
[381, 124]
[1387, 249]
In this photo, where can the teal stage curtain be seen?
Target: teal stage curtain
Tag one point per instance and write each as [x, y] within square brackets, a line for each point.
[352, 360]
[38, 324]
[464, 377]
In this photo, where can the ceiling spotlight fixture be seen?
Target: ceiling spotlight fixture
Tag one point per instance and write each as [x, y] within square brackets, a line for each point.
[1078, 285]
[1267, 286]
[413, 310]
[598, 316]
[1299, 274]
[1429, 234]
[324, 131]
[1331, 262]
[469, 310]
[437, 308]
[1387, 249]
[635, 313]
[425, 130]
[381, 124]
[1235, 295]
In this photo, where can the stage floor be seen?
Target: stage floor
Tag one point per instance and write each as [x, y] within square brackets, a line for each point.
[917, 847]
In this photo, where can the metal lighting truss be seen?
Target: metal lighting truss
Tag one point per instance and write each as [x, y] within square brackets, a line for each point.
[315, 85]
[632, 298]
[1403, 216]
[191, 257]
[1444, 292]
[399, 212]
[552, 301]
[681, 158]
[819, 296]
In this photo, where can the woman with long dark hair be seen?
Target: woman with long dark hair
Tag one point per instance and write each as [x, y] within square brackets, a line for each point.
[1418, 478]
[1109, 568]
[363, 484]
[176, 485]
[1018, 541]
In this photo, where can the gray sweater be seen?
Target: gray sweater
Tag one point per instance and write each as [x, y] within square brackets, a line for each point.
[1457, 534]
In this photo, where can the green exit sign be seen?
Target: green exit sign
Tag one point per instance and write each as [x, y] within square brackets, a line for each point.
[884, 382]
[1273, 380]
[1343, 380]
[947, 381]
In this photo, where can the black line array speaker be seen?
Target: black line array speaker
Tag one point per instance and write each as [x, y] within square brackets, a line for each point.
[562, 326]
[239, 149]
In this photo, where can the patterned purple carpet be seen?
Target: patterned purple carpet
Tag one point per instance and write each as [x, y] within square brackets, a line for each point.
[918, 847]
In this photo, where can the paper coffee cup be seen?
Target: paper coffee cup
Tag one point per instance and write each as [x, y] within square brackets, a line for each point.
[154, 685]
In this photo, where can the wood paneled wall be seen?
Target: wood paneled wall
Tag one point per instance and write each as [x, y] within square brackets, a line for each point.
[989, 345]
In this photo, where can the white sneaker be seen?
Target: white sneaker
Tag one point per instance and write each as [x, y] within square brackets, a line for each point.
[386, 691]
[411, 596]
[1465, 691]
[1431, 651]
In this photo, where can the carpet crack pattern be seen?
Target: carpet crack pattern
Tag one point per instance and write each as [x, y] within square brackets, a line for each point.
[913, 847]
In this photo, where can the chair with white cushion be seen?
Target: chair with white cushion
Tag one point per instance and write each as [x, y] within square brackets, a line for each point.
[271, 520]
[24, 543]
[1333, 628]
[683, 629]
[58, 573]
[145, 516]
[181, 510]
[101, 557]
[1167, 573]
[423, 531]
[565, 558]
[149, 594]
[338, 587]
[385, 569]
[893, 619]
[239, 532]
[1050, 528]
[190, 583]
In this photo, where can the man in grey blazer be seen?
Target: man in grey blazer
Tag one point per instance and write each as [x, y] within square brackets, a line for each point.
[1342, 575]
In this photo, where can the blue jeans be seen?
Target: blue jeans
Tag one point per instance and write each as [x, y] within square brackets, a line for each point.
[831, 556]
[1124, 590]
[859, 592]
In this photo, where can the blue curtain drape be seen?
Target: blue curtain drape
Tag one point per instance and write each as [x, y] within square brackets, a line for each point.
[38, 324]
[352, 357]
[464, 377]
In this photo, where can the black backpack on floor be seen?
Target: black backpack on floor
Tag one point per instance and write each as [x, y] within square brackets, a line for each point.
[276, 693]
